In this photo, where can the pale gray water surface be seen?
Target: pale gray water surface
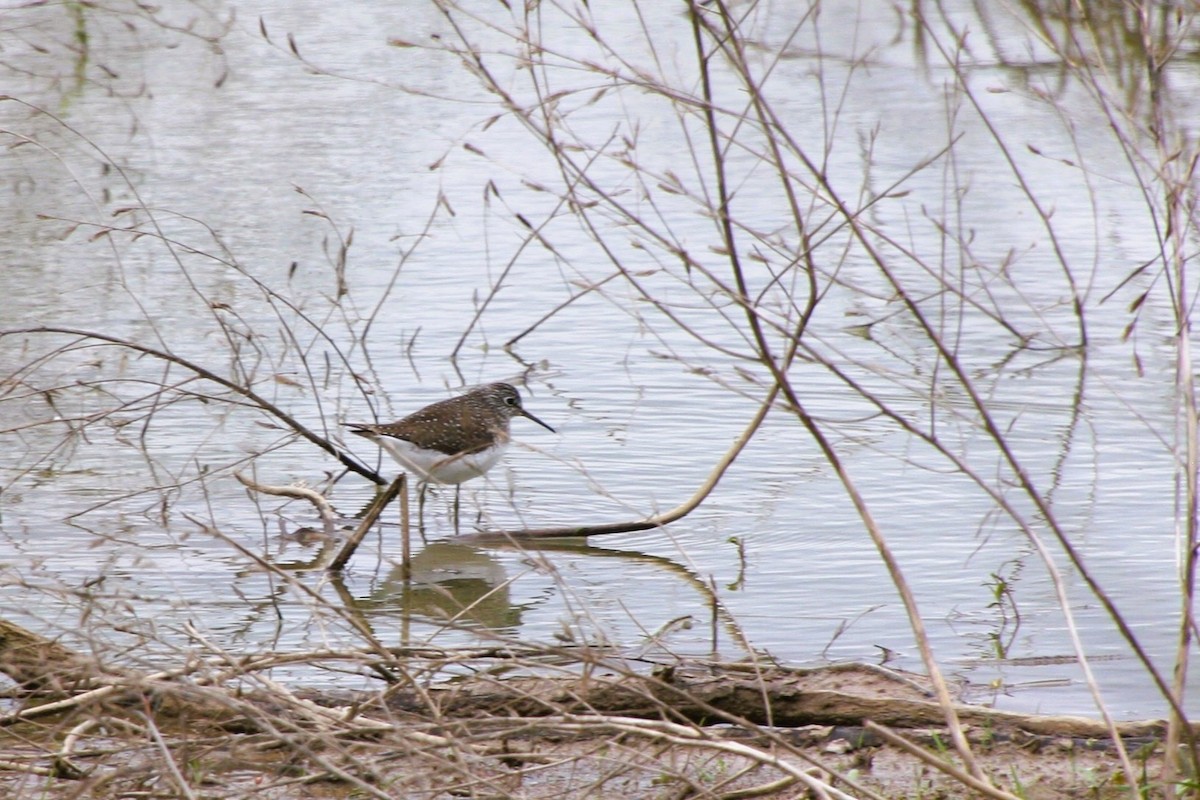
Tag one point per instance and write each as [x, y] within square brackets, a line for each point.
[216, 129]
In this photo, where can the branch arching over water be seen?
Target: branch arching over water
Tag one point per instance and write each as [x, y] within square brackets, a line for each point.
[654, 521]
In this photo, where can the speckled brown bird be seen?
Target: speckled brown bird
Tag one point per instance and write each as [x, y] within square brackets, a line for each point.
[453, 440]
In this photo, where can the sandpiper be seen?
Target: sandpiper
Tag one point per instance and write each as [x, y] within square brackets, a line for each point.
[453, 440]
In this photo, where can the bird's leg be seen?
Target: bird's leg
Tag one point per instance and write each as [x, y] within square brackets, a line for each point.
[457, 491]
[421, 511]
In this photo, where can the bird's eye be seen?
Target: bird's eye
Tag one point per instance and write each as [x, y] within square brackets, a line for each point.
[512, 401]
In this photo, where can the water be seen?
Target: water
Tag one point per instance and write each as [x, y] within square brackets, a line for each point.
[259, 167]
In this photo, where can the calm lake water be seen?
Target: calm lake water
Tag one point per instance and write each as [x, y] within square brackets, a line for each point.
[267, 135]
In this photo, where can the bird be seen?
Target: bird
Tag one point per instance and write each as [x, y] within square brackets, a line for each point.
[453, 440]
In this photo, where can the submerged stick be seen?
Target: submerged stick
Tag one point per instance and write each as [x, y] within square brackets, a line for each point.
[376, 508]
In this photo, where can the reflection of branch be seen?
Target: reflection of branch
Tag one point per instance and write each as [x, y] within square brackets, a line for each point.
[732, 626]
[655, 521]
[245, 391]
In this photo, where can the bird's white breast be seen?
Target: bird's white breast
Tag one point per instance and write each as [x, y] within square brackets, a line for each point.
[430, 465]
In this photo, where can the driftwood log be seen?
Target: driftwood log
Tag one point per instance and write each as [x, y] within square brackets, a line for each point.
[40, 665]
[839, 695]
[57, 679]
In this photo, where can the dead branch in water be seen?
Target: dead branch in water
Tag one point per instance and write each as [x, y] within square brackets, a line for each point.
[397, 488]
[655, 521]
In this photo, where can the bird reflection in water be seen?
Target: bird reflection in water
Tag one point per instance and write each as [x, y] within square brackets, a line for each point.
[451, 582]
